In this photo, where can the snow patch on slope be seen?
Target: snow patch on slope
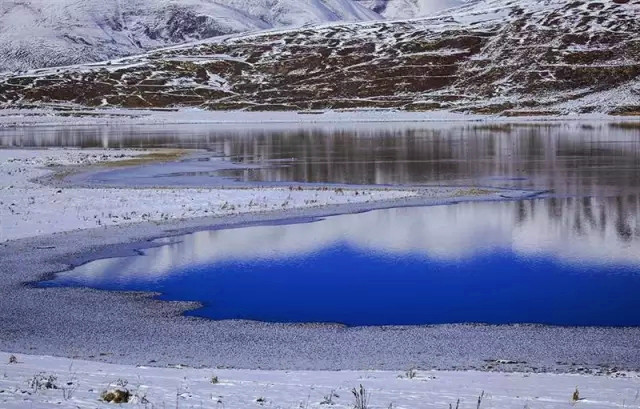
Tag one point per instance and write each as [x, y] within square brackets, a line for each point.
[403, 9]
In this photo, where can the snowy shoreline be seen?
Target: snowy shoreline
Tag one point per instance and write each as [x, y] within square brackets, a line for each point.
[28, 208]
[137, 329]
[71, 383]
[81, 116]
[36, 200]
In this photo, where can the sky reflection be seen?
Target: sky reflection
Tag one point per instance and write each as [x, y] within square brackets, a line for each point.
[557, 261]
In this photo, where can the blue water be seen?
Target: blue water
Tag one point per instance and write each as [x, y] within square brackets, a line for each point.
[479, 274]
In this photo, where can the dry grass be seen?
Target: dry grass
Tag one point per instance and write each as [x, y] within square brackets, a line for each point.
[472, 192]
[153, 156]
[361, 397]
[163, 155]
[625, 125]
[515, 113]
[576, 395]
[511, 126]
[493, 128]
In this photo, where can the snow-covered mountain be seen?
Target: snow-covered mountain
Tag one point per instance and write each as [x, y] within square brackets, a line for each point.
[404, 9]
[38, 33]
[491, 56]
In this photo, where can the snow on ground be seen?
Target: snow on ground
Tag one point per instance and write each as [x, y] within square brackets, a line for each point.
[45, 382]
[10, 118]
[30, 209]
[406, 9]
[42, 117]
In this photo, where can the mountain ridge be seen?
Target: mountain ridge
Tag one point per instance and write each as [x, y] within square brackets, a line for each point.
[41, 33]
[492, 56]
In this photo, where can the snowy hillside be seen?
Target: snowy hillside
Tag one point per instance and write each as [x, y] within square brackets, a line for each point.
[492, 56]
[37, 33]
[404, 9]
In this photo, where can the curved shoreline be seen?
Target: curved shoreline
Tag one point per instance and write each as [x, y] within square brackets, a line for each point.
[119, 327]
[136, 328]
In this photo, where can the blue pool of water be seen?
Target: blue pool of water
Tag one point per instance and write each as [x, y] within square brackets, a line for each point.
[494, 263]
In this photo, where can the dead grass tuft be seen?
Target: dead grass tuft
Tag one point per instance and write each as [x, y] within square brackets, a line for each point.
[154, 156]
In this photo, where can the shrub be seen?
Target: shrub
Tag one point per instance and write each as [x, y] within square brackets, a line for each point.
[328, 399]
[480, 397]
[42, 381]
[411, 373]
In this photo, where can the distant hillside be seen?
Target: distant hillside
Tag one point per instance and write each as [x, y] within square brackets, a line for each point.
[44, 33]
[492, 56]
[405, 9]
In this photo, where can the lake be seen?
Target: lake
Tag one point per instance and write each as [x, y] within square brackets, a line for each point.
[555, 261]
[572, 158]
[569, 259]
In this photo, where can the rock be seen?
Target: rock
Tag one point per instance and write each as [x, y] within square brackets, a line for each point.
[116, 396]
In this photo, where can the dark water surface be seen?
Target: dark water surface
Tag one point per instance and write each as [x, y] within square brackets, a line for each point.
[553, 261]
[571, 158]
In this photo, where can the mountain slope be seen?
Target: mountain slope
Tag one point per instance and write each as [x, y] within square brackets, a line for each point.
[491, 56]
[405, 9]
[38, 33]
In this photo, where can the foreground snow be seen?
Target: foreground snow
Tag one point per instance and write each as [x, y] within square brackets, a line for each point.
[29, 209]
[79, 384]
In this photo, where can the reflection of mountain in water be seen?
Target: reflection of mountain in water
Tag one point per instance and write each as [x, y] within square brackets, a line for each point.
[582, 231]
[570, 158]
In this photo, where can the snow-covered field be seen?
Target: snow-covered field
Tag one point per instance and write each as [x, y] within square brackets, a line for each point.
[10, 117]
[43, 117]
[45, 382]
[30, 209]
